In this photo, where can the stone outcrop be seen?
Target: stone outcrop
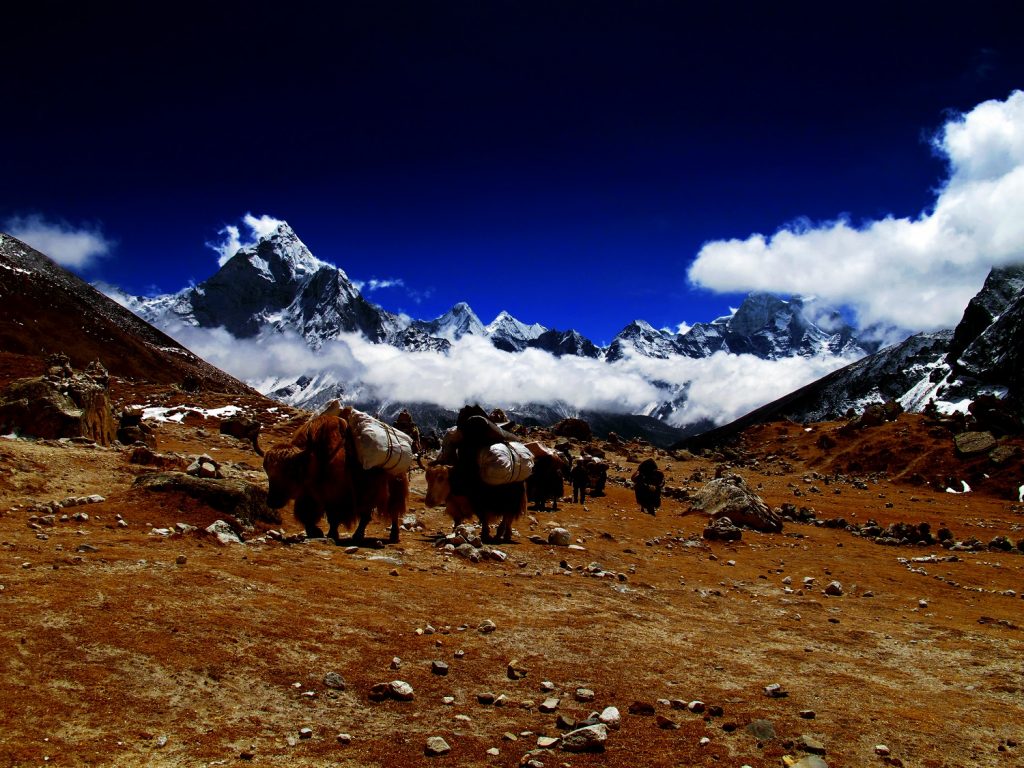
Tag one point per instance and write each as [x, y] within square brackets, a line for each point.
[244, 501]
[60, 404]
[729, 496]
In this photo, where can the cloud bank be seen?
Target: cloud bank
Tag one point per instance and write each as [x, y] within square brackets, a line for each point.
[912, 273]
[721, 388]
[77, 248]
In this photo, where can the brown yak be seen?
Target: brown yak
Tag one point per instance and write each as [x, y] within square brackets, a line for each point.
[486, 502]
[318, 468]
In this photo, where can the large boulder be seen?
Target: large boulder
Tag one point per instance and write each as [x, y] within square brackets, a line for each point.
[60, 404]
[729, 496]
[244, 428]
[244, 501]
[573, 428]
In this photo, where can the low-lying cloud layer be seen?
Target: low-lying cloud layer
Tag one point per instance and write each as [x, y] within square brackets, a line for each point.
[721, 388]
[76, 248]
[912, 273]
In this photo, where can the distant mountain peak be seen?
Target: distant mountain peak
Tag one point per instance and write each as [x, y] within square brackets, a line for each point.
[510, 334]
[279, 255]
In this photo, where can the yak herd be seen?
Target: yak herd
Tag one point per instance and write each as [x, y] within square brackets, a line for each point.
[348, 466]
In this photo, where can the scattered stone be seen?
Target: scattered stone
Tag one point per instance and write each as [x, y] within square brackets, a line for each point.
[487, 698]
[762, 730]
[810, 761]
[811, 744]
[181, 560]
[448, 700]
[487, 626]
[971, 443]
[335, 681]
[641, 708]
[549, 705]
[834, 589]
[665, 723]
[401, 691]
[515, 671]
[439, 668]
[396, 663]
[547, 742]
[584, 694]
[161, 742]
[493, 752]
[611, 717]
[547, 686]
[696, 706]
[565, 723]
[882, 750]
[807, 714]
[305, 733]
[775, 691]
[589, 739]
[223, 532]
[436, 746]
[559, 537]
[343, 738]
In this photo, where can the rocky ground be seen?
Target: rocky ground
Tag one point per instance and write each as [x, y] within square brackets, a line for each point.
[126, 641]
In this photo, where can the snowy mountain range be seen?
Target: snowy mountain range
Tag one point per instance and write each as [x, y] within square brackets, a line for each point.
[276, 287]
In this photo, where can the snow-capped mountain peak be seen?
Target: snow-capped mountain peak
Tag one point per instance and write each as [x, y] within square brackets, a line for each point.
[454, 324]
[281, 256]
[512, 335]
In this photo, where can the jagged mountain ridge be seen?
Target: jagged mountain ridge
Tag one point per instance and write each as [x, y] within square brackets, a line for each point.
[277, 285]
[983, 355]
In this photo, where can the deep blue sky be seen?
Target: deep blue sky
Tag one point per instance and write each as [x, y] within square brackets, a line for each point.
[562, 160]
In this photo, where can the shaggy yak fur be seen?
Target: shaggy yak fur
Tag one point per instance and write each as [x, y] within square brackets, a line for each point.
[545, 482]
[647, 482]
[318, 468]
[485, 502]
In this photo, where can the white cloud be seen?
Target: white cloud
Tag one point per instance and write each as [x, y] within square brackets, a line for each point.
[721, 388]
[258, 226]
[913, 273]
[374, 284]
[71, 247]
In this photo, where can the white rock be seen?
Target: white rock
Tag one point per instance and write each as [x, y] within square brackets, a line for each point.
[611, 717]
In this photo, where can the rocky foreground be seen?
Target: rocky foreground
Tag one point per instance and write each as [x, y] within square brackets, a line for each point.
[855, 636]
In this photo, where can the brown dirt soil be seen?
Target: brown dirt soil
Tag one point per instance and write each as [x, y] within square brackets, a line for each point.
[123, 656]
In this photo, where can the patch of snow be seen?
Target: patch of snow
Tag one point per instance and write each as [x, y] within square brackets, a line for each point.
[16, 270]
[154, 413]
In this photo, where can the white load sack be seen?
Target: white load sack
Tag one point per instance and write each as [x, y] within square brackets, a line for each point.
[378, 445]
[538, 449]
[504, 463]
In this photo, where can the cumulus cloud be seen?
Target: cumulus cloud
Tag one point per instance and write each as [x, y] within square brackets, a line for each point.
[258, 226]
[72, 247]
[913, 273]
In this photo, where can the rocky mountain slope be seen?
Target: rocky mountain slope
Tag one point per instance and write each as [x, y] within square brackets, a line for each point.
[945, 370]
[45, 309]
